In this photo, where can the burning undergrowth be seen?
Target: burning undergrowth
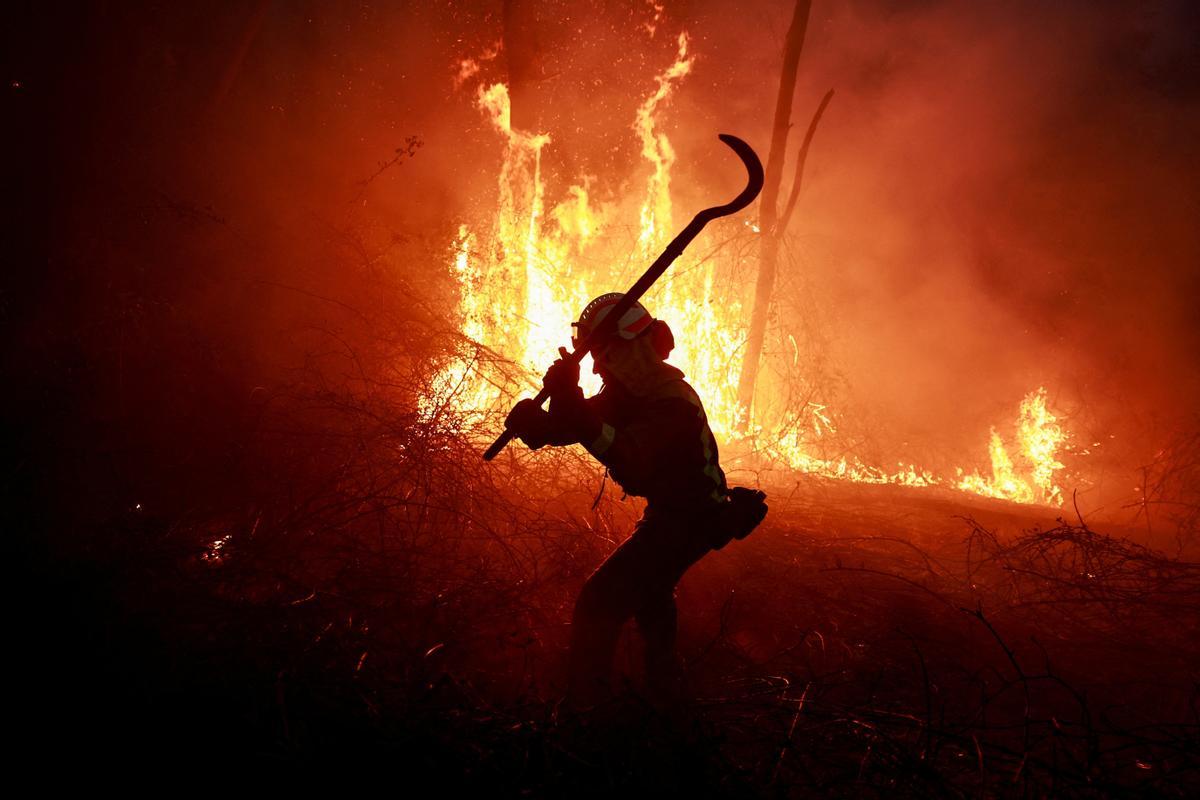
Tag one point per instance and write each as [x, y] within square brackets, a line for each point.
[525, 267]
[408, 610]
[376, 597]
[363, 591]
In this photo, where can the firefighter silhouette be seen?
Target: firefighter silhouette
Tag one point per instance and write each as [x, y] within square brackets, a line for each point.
[648, 427]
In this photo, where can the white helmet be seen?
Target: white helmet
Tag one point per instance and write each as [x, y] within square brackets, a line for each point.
[633, 323]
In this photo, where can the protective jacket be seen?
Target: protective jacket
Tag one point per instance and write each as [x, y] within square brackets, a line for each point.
[656, 444]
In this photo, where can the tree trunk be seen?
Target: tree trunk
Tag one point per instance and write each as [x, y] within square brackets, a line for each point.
[768, 210]
[523, 54]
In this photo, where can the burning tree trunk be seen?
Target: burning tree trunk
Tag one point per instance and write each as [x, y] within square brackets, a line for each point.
[771, 224]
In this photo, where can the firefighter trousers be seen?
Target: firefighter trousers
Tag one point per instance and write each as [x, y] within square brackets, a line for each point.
[637, 581]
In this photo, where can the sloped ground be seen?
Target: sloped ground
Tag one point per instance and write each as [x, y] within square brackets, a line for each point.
[915, 652]
[866, 640]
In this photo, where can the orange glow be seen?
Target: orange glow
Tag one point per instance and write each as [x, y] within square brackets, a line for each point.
[525, 273]
[1039, 437]
[656, 228]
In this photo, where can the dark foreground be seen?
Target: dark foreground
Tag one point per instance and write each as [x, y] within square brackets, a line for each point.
[865, 642]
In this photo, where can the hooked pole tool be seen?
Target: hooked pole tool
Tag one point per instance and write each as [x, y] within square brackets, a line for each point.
[608, 324]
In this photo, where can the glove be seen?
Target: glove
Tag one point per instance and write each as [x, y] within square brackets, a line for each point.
[562, 379]
[526, 421]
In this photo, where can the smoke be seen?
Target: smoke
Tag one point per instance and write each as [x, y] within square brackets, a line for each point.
[1001, 196]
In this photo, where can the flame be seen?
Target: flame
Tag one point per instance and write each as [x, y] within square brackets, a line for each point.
[1040, 437]
[525, 275]
[656, 9]
[212, 554]
[518, 299]
[656, 148]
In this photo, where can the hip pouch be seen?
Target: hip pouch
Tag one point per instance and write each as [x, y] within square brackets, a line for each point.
[739, 515]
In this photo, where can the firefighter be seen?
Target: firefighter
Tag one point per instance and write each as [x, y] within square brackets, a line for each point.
[648, 427]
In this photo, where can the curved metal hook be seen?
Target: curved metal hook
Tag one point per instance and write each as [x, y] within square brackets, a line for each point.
[754, 180]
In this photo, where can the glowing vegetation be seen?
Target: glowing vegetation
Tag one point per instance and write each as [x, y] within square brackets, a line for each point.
[520, 292]
[1039, 437]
